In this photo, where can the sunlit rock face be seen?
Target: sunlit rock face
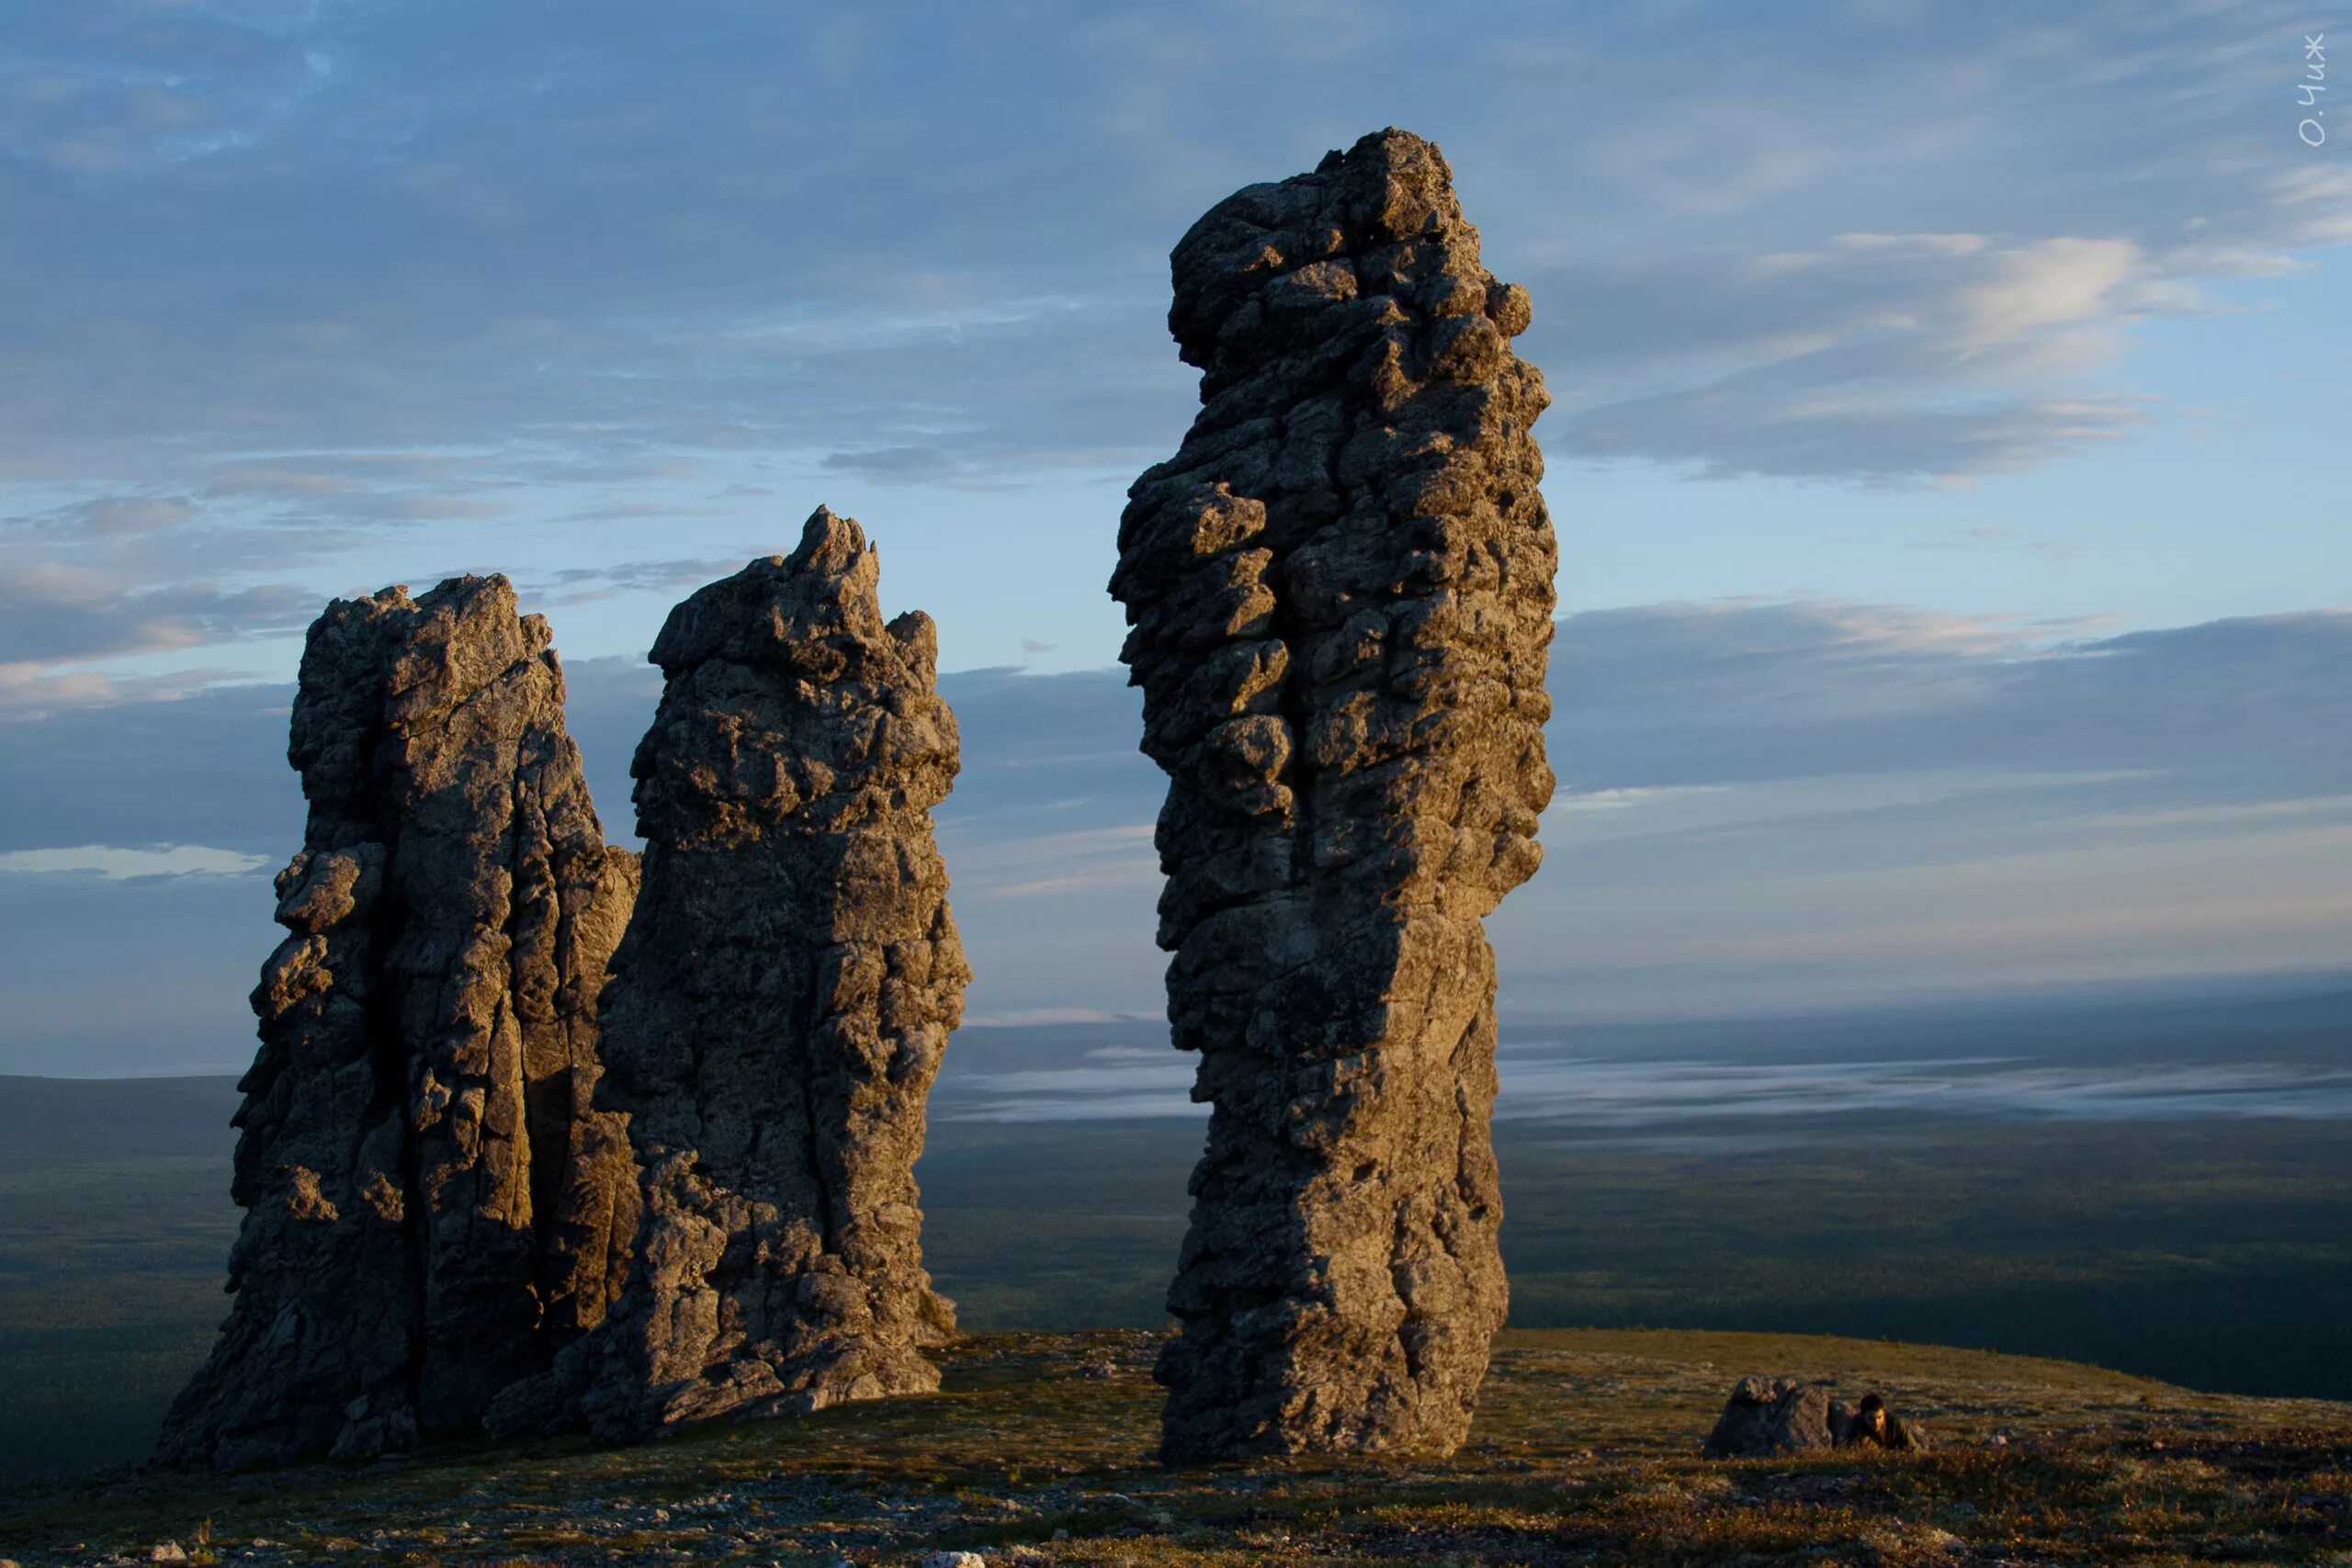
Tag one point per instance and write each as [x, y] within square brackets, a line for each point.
[779, 1008]
[433, 1208]
[1341, 593]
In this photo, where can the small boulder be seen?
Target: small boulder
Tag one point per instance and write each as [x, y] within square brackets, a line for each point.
[1771, 1416]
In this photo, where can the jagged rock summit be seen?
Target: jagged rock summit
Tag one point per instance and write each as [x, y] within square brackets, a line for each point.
[1340, 590]
[778, 1007]
[432, 1207]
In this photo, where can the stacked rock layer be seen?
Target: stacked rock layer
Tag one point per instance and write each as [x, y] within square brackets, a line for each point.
[779, 1006]
[1342, 592]
[433, 1208]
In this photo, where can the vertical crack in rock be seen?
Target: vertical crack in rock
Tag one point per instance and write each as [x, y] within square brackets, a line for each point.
[433, 1209]
[1340, 590]
[779, 1007]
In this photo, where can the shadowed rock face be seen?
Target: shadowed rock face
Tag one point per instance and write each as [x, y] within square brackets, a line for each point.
[1340, 590]
[1771, 1416]
[432, 1207]
[780, 1005]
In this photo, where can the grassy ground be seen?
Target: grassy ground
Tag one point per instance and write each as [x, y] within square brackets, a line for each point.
[1037, 1451]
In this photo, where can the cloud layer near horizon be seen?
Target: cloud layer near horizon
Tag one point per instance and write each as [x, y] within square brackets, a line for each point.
[1766, 806]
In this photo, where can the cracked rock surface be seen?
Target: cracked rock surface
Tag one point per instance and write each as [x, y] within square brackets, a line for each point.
[1342, 592]
[433, 1208]
[778, 1007]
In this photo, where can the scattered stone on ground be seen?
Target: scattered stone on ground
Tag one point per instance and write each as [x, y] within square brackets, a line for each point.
[1342, 592]
[432, 1208]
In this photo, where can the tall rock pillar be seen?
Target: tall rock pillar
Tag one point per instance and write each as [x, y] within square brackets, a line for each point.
[780, 1004]
[1340, 590]
[433, 1209]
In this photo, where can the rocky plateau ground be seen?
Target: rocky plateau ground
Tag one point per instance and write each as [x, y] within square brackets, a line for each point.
[1037, 1449]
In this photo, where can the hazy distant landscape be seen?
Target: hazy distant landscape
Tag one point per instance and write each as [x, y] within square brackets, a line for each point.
[2154, 1186]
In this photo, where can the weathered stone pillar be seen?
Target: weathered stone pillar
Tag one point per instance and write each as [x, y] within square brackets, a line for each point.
[432, 1207]
[780, 1004]
[1340, 590]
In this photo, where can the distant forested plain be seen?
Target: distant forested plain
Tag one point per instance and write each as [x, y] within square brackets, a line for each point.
[2204, 1239]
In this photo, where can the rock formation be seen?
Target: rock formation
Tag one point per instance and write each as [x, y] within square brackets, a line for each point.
[778, 1007]
[1340, 590]
[432, 1206]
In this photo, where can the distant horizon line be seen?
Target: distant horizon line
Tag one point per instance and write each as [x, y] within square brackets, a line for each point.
[2209, 988]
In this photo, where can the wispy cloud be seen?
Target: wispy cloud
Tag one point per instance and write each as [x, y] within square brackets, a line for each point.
[115, 863]
[52, 613]
[1888, 358]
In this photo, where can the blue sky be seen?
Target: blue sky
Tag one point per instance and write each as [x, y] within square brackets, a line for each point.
[1946, 450]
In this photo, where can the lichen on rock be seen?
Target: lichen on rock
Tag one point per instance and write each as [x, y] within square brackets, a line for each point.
[432, 1207]
[1340, 590]
[778, 1009]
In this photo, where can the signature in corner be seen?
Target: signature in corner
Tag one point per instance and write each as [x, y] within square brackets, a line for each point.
[2308, 90]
